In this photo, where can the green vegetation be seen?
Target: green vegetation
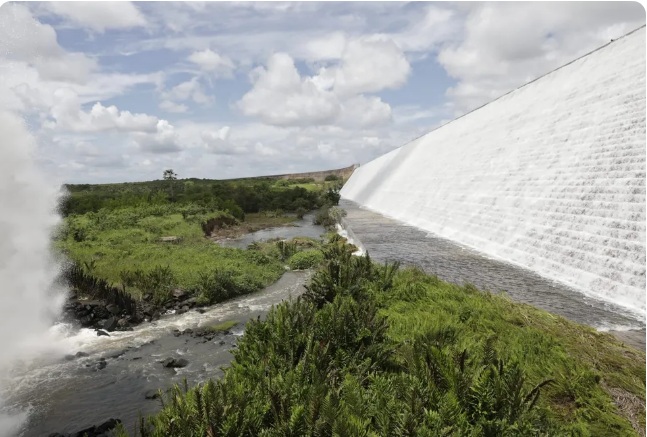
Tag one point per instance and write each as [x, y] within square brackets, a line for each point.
[148, 239]
[222, 327]
[237, 197]
[378, 351]
[305, 260]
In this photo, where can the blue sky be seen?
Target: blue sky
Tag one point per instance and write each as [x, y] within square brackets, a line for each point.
[120, 91]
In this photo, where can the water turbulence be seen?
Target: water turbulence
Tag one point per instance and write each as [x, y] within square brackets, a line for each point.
[550, 176]
[29, 300]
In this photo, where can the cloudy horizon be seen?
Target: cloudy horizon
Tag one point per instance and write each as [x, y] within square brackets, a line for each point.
[117, 92]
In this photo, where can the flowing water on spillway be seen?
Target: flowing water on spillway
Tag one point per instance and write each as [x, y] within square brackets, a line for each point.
[388, 239]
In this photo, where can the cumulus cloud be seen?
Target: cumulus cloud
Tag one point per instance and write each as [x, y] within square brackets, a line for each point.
[507, 44]
[187, 91]
[98, 16]
[280, 96]
[361, 111]
[212, 62]
[163, 140]
[219, 142]
[369, 64]
[68, 115]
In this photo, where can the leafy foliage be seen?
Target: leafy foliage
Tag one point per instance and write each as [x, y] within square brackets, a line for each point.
[305, 259]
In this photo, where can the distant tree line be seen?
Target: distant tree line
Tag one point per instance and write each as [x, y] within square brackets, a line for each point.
[237, 196]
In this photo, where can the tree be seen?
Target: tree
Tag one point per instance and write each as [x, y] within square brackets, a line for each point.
[171, 176]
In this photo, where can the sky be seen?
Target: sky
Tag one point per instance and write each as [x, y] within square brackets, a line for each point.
[121, 91]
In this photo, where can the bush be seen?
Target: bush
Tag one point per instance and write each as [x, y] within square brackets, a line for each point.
[323, 218]
[301, 212]
[305, 260]
[332, 177]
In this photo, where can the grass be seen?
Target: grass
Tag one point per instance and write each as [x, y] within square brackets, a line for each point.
[119, 242]
[588, 367]
[313, 186]
[223, 326]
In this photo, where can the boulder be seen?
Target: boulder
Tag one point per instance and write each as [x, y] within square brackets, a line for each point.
[86, 320]
[110, 324]
[113, 309]
[86, 432]
[175, 362]
[100, 365]
[80, 354]
[101, 332]
[108, 425]
[152, 394]
[180, 294]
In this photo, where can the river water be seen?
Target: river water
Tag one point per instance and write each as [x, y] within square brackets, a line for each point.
[387, 239]
[299, 228]
[69, 395]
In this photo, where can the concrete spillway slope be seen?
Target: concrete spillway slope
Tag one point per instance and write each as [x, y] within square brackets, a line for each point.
[550, 176]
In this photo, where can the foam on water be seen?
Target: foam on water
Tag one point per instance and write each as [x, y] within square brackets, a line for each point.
[550, 177]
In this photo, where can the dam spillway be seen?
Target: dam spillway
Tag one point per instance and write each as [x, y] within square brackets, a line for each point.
[550, 176]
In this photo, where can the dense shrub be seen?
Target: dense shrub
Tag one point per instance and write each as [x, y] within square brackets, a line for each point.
[305, 259]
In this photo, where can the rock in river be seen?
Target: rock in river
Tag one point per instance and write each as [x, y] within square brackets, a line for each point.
[175, 362]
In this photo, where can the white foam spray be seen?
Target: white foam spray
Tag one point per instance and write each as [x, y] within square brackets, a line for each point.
[29, 300]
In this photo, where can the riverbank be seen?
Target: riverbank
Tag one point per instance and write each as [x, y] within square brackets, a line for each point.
[253, 223]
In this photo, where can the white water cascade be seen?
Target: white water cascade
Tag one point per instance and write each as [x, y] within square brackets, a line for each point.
[550, 176]
[29, 301]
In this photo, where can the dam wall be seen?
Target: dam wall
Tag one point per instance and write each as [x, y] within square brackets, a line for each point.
[550, 176]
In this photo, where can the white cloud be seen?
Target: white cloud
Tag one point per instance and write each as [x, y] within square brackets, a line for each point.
[69, 116]
[219, 142]
[190, 90]
[361, 111]
[507, 44]
[169, 106]
[435, 26]
[368, 64]
[212, 62]
[163, 140]
[99, 16]
[280, 96]
[25, 39]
